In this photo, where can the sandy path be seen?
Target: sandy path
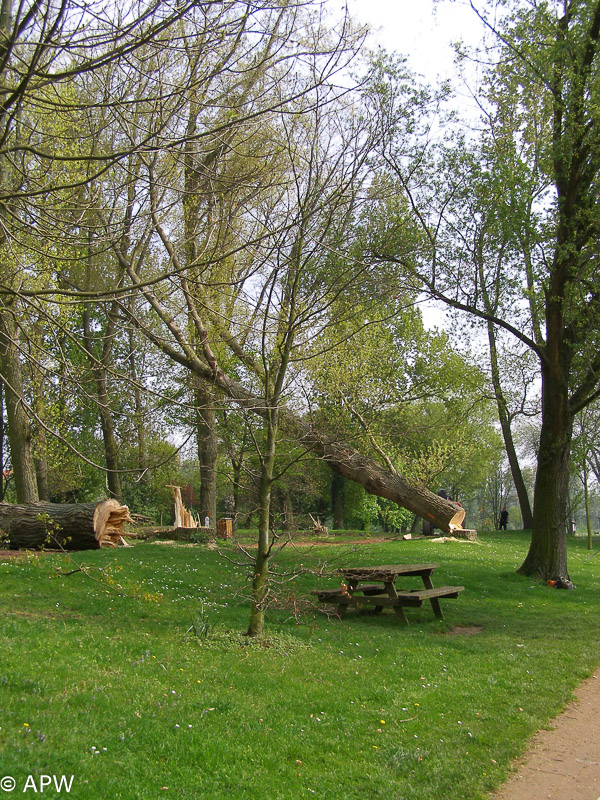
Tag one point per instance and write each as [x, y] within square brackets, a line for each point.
[562, 763]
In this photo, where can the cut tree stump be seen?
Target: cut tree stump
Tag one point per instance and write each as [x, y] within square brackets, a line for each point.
[72, 526]
[465, 533]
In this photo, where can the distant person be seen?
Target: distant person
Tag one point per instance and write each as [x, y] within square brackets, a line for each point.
[503, 518]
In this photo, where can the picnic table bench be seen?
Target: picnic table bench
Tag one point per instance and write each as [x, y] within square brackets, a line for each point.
[376, 587]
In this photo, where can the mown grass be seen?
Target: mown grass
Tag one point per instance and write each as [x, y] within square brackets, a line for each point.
[143, 699]
[246, 535]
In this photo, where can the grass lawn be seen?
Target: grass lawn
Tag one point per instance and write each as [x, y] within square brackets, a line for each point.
[121, 694]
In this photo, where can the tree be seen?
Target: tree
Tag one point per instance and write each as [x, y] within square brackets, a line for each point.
[404, 394]
[19, 426]
[49, 133]
[541, 110]
[586, 456]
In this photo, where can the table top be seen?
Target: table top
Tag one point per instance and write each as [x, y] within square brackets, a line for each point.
[386, 571]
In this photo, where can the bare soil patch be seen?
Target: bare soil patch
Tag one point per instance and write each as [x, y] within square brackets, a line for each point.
[462, 630]
[4, 554]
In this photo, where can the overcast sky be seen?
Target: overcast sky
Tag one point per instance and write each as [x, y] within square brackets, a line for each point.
[421, 30]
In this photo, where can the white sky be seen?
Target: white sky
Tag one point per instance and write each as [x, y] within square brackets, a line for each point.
[421, 30]
[424, 31]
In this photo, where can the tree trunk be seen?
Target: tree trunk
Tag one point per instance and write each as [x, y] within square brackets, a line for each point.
[41, 446]
[503, 416]
[206, 427]
[41, 476]
[444, 514]
[285, 508]
[586, 494]
[547, 556]
[80, 526]
[441, 513]
[111, 450]
[2, 440]
[260, 579]
[99, 369]
[236, 465]
[19, 426]
[337, 501]
[140, 429]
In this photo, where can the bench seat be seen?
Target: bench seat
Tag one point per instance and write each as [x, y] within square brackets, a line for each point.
[380, 600]
[417, 596]
[324, 594]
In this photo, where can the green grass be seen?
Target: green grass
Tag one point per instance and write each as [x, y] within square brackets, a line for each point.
[142, 699]
[246, 535]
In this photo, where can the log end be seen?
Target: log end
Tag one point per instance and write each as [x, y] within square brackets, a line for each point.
[457, 519]
[109, 518]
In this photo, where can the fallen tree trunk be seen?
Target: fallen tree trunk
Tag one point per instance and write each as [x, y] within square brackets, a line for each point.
[379, 481]
[72, 526]
[350, 463]
[341, 458]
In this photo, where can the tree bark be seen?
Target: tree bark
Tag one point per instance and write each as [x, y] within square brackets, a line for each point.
[2, 440]
[19, 426]
[337, 501]
[99, 369]
[236, 466]
[41, 444]
[140, 429]
[547, 556]
[287, 509]
[260, 578]
[111, 450]
[206, 427]
[355, 466]
[78, 526]
[586, 495]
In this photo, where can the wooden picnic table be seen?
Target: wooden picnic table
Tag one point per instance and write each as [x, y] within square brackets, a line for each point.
[376, 587]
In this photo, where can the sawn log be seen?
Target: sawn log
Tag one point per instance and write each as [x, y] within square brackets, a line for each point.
[72, 526]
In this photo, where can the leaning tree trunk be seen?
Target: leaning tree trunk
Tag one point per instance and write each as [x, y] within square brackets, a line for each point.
[351, 464]
[444, 514]
[73, 526]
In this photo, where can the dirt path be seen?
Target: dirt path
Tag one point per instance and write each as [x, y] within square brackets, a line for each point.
[562, 763]
[4, 554]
